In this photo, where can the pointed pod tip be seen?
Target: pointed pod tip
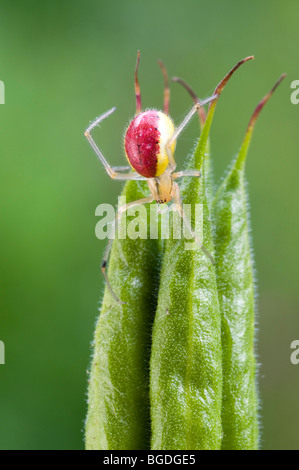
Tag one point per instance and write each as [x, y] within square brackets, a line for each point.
[195, 98]
[137, 62]
[240, 162]
[166, 86]
[187, 87]
[262, 103]
[224, 81]
[137, 86]
[164, 70]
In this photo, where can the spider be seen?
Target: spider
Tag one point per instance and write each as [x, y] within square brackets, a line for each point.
[150, 142]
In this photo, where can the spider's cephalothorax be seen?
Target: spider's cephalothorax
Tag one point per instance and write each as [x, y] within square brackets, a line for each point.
[145, 142]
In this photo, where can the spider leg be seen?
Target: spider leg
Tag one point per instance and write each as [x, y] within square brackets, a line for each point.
[177, 200]
[113, 172]
[121, 168]
[181, 127]
[179, 174]
[120, 211]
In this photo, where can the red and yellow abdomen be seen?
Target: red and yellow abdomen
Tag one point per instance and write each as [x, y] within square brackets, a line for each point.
[145, 142]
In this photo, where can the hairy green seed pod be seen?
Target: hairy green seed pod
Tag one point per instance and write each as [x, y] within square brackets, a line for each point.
[186, 361]
[186, 372]
[118, 396]
[236, 296]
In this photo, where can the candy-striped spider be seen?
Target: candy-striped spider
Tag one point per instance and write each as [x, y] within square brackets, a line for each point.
[150, 142]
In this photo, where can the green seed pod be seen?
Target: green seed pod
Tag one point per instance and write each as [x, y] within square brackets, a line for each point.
[236, 297]
[186, 361]
[186, 349]
[118, 396]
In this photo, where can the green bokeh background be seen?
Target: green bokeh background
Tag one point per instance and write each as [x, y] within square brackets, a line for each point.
[65, 62]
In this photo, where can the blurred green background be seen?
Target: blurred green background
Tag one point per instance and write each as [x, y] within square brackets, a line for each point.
[65, 62]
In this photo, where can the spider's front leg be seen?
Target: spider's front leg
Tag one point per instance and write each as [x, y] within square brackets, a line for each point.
[113, 172]
[180, 128]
